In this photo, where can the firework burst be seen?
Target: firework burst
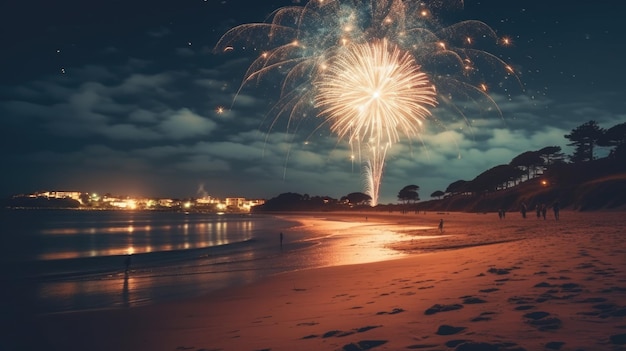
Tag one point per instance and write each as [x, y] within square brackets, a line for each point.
[369, 68]
[370, 93]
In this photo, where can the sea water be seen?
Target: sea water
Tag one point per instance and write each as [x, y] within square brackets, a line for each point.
[71, 260]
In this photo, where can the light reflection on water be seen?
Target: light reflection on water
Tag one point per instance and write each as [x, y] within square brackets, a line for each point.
[255, 252]
[141, 238]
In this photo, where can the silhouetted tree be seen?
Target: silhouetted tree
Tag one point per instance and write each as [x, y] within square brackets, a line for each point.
[284, 201]
[457, 187]
[409, 194]
[551, 155]
[584, 137]
[493, 178]
[438, 194]
[357, 198]
[528, 161]
[615, 137]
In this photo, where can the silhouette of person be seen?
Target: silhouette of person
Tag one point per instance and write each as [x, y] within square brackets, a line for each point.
[126, 292]
[544, 210]
[281, 239]
[127, 263]
[441, 226]
[538, 209]
[556, 209]
[523, 210]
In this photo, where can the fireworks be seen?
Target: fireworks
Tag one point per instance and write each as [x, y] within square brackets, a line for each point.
[369, 68]
[369, 93]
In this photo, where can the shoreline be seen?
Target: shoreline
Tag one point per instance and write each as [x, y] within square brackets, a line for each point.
[541, 289]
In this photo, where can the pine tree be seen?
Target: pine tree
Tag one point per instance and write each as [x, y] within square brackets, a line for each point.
[584, 137]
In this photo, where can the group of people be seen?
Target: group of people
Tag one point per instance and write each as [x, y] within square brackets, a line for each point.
[541, 210]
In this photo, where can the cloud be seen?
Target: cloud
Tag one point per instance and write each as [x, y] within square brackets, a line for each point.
[184, 124]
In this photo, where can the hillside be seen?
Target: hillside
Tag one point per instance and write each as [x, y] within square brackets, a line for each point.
[598, 185]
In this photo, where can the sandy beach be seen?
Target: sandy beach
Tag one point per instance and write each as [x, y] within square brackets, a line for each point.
[483, 284]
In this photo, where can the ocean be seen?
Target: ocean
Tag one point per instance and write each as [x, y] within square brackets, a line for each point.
[71, 260]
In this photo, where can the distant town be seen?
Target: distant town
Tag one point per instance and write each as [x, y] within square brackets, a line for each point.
[85, 200]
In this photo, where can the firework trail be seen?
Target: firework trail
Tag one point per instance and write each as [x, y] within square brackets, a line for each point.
[369, 68]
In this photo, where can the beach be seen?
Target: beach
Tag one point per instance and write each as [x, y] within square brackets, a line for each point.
[482, 284]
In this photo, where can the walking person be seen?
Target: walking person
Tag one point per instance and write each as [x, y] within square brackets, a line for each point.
[441, 226]
[538, 209]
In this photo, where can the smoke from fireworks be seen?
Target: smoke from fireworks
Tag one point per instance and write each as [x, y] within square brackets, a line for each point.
[370, 67]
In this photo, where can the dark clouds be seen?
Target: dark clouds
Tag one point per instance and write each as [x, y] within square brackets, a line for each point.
[121, 97]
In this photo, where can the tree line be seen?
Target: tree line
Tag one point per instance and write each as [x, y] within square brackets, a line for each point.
[585, 139]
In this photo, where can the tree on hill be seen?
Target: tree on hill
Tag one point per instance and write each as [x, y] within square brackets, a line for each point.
[551, 155]
[409, 194]
[438, 194]
[494, 178]
[584, 137]
[615, 137]
[529, 161]
[457, 187]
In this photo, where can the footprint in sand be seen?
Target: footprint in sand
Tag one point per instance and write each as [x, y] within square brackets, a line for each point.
[488, 290]
[442, 308]
[470, 300]
[520, 300]
[394, 311]
[554, 345]
[613, 289]
[606, 310]
[455, 343]
[421, 346]
[618, 339]
[542, 321]
[363, 345]
[501, 271]
[449, 330]
[485, 316]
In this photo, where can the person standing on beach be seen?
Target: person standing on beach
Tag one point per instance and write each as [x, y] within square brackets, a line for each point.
[556, 208]
[523, 210]
[441, 226]
[281, 240]
[544, 209]
[127, 263]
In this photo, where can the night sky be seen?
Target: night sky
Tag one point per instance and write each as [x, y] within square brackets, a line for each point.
[122, 97]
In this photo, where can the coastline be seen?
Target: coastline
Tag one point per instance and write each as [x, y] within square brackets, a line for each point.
[513, 284]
